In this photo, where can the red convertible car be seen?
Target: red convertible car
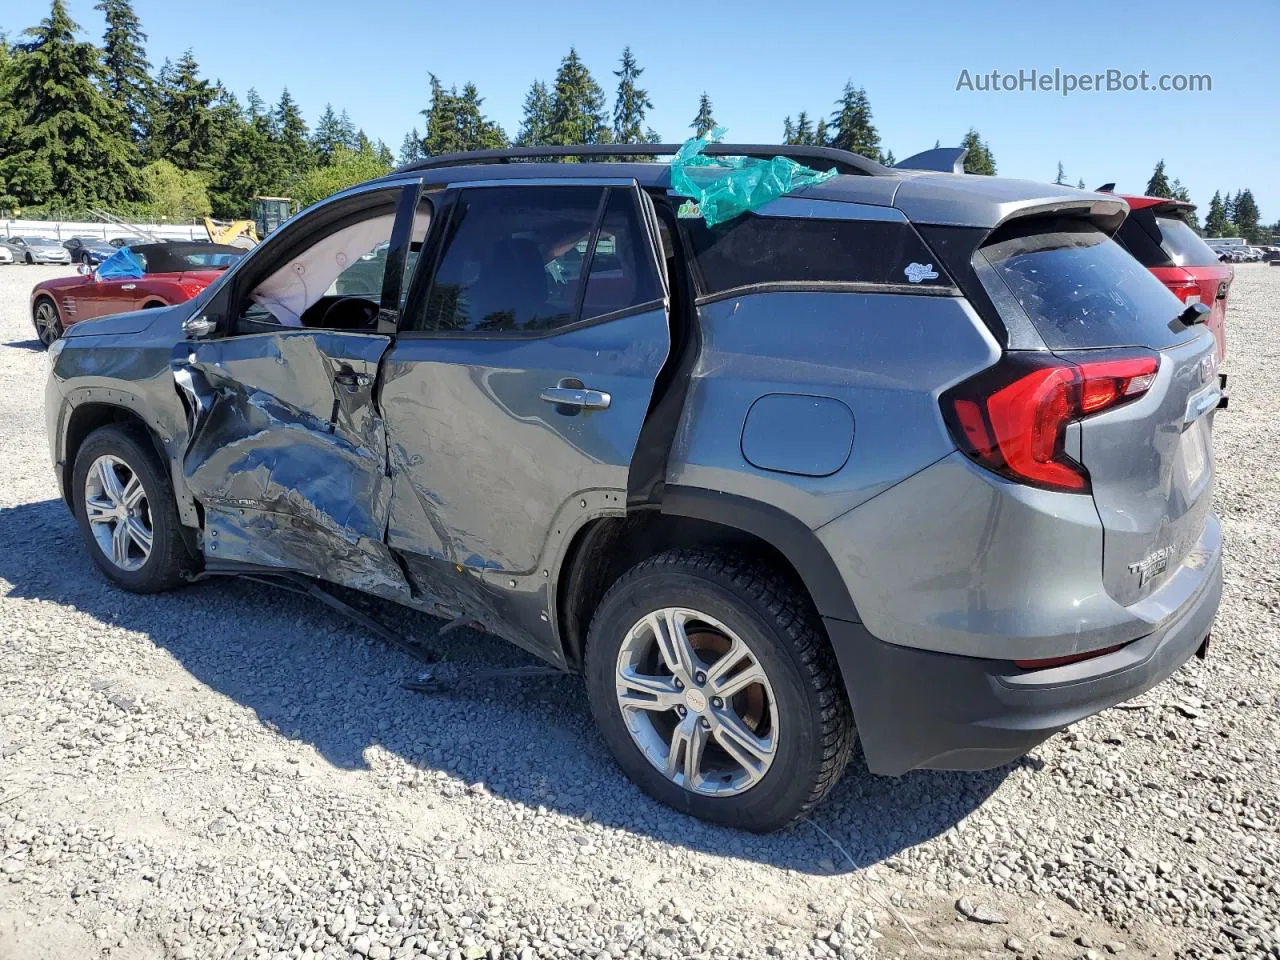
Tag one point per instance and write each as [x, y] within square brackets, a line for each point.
[162, 274]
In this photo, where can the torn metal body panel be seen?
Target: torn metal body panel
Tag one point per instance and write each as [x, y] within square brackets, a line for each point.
[288, 454]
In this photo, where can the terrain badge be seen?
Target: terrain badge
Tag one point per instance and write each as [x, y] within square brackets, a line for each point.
[920, 271]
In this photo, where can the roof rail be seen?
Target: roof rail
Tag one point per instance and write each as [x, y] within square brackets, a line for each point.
[843, 160]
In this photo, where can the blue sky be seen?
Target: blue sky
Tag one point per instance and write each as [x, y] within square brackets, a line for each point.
[762, 60]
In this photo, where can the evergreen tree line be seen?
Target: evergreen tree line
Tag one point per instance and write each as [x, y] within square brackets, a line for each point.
[84, 127]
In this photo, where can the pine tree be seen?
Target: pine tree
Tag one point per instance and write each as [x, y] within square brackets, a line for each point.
[181, 125]
[889, 159]
[8, 119]
[70, 141]
[788, 130]
[978, 160]
[577, 105]
[1246, 210]
[455, 122]
[536, 123]
[1158, 185]
[1216, 224]
[1178, 192]
[1080, 184]
[410, 147]
[332, 131]
[631, 103]
[384, 155]
[251, 166]
[804, 130]
[291, 137]
[1229, 208]
[821, 136]
[126, 74]
[1061, 178]
[705, 121]
[852, 122]
[478, 131]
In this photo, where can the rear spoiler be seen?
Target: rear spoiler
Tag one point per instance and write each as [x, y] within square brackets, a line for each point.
[1155, 204]
[942, 159]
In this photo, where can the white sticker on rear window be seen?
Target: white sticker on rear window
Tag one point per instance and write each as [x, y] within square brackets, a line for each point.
[920, 271]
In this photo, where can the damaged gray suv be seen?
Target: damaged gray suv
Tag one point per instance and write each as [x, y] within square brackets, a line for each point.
[908, 459]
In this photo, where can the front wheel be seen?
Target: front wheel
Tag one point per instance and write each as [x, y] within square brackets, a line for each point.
[715, 688]
[125, 507]
[48, 323]
[30, 260]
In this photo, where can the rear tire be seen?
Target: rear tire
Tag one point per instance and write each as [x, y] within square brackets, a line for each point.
[118, 482]
[793, 725]
[48, 322]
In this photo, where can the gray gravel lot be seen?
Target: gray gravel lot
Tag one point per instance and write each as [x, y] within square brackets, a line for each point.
[227, 771]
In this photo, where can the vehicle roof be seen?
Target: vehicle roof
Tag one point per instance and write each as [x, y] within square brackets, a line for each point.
[926, 197]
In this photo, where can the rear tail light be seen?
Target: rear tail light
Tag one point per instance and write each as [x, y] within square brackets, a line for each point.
[1012, 418]
[1188, 291]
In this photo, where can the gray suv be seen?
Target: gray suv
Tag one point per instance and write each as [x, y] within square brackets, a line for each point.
[914, 460]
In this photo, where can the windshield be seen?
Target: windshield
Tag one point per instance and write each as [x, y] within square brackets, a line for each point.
[1081, 289]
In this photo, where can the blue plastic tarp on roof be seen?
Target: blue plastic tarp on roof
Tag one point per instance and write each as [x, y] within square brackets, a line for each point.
[722, 188]
[121, 265]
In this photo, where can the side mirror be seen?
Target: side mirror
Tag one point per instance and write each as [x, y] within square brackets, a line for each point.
[85, 270]
[198, 327]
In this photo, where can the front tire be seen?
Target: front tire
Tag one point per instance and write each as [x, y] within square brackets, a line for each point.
[48, 323]
[30, 260]
[715, 688]
[125, 508]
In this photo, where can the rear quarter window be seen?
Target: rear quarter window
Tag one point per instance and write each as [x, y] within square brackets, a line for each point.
[1080, 288]
[751, 250]
[1183, 245]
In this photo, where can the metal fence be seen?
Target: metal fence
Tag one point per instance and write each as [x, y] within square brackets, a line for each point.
[65, 229]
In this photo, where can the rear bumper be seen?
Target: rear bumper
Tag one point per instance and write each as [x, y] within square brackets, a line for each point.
[923, 709]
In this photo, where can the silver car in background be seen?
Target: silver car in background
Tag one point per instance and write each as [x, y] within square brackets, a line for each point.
[31, 249]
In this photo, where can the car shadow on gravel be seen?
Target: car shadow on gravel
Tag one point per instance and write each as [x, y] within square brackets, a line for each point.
[318, 679]
[34, 345]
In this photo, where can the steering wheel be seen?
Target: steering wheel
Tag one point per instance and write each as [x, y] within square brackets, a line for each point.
[364, 313]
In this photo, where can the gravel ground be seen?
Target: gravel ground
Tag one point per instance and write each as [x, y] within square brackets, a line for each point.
[228, 771]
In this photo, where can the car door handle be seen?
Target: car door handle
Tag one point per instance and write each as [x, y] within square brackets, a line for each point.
[129, 286]
[584, 398]
[349, 378]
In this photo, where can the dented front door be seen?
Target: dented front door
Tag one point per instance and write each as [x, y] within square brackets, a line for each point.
[288, 454]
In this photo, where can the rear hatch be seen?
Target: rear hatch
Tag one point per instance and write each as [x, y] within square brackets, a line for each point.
[1147, 456]
[1161, 240]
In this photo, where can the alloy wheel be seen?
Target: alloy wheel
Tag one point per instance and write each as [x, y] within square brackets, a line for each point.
[697, 702]
[119, 514]
[48, 329]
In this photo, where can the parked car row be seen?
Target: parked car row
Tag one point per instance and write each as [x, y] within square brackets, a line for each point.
[565, 411]
[89, 251]
[1243, 254]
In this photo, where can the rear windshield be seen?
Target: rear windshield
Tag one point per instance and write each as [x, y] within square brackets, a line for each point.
[1182, 244]
[1081, 289]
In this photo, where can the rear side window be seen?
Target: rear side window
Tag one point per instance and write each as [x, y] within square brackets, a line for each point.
[751, 249]
[517, 259]
[1183, 245]
[1081, 289]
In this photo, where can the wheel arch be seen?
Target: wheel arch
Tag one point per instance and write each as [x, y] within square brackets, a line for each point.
[84, 418]
[605, 548]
